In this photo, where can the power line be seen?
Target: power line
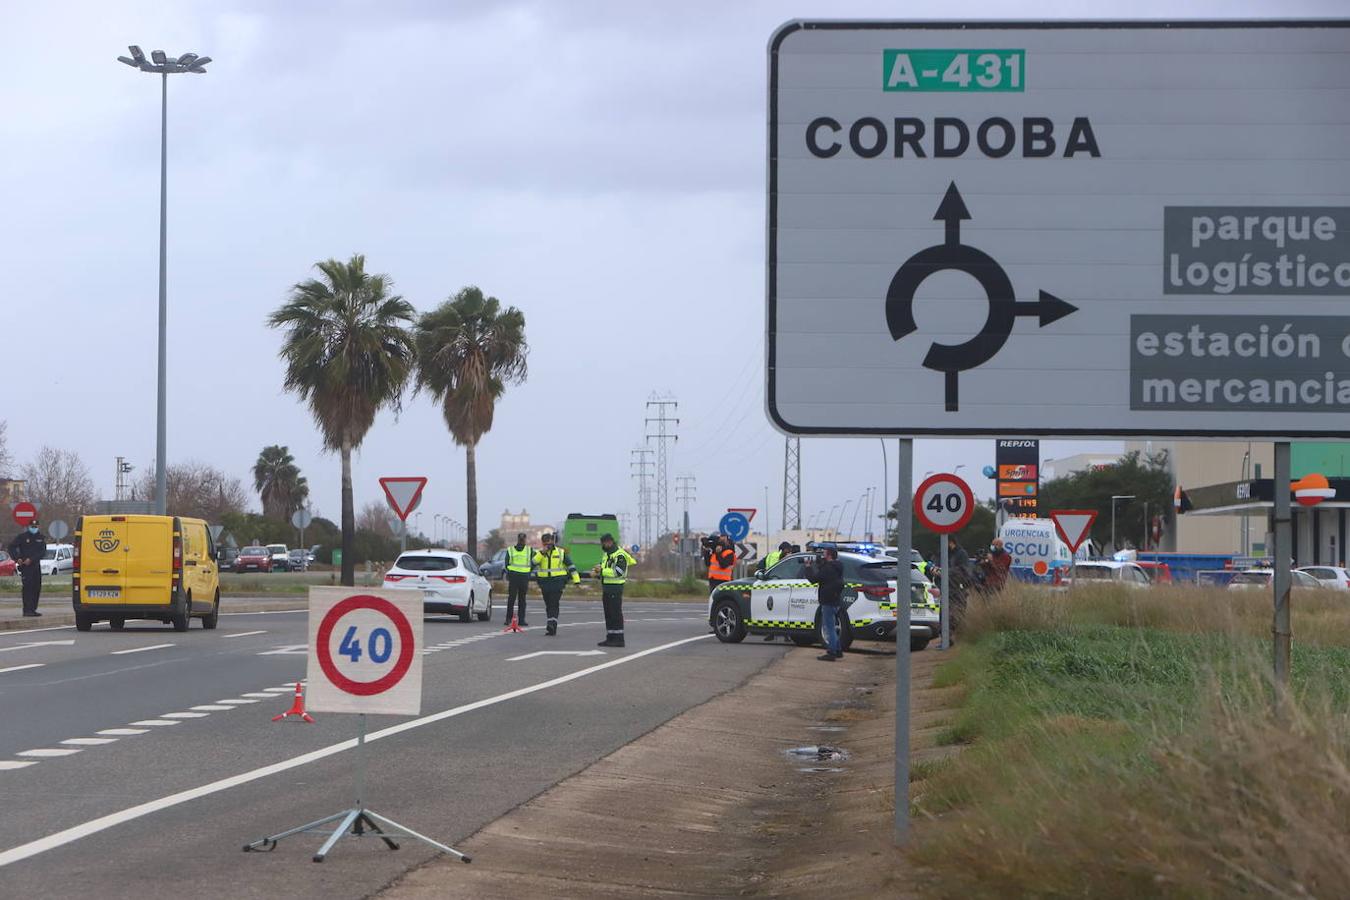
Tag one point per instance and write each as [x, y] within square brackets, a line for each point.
[640, 465]
[664, 438]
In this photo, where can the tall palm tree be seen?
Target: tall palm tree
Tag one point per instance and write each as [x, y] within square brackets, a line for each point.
[277, 479]
[348, 353]
[468, 351]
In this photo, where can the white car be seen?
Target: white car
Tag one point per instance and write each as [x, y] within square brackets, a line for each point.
[1334, 577]
[449, 580]
[59, 560]
[1119, 571]
[782, 602]
[1255, 579]
[281, 557]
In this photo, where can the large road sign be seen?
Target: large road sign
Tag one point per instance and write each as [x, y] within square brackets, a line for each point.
[1073, 525]
[365, 651]
[301, 518]
[735, 526]
[1131, 228]
[944, 503]
[24, 513]
[404, 494]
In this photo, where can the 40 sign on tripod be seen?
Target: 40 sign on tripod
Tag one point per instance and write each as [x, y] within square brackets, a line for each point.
[365, 652]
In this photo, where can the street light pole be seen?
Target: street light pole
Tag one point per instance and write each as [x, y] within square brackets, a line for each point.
[163, 66]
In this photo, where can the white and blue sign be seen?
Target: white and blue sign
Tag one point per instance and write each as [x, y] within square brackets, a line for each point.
[634, 549]
[735, 526]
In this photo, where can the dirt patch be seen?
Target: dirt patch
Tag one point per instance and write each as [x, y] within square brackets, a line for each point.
[713, 803]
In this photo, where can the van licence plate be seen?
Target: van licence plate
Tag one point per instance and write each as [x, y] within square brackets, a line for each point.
[104, 593]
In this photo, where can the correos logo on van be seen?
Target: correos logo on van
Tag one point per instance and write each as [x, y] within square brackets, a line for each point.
[106, 542]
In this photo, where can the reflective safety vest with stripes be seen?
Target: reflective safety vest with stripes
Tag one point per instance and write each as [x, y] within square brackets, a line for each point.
[551, 563]
[614, 567]
[519, 560]
[717, 571]
[772, 559]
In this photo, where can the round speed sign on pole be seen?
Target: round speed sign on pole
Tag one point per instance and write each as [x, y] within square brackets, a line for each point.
[943, 503]
[365, 652]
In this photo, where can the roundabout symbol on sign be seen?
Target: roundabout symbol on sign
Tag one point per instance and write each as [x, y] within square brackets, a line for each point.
[378, 646]
[1004, 307]
[944, 503]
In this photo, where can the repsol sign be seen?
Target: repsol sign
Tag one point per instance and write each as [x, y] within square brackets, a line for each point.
[946, 137]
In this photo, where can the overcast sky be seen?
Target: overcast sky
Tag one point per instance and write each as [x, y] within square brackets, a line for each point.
[600, 165]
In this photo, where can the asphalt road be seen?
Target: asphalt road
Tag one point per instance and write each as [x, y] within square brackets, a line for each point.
[137, 764]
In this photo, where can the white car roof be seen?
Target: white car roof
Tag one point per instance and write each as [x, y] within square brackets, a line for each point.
[1106, 564]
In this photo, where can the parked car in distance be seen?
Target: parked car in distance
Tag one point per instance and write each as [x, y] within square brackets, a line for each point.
[7, 566]
[449, 580]
[1333, 577]
[1157, 572]
[297, 560]
[225, 557]
[495, 568]
[1101, 570]
[281, 557]
[59, 560]
[1254, 579]
[253, 559]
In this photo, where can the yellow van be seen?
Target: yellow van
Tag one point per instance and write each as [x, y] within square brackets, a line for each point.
[144, 567]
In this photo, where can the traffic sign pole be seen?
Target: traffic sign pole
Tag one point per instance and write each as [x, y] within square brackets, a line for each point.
[904, 539]
[946, 594]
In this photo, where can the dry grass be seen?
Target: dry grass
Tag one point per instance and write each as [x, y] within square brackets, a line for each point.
[1123, 744]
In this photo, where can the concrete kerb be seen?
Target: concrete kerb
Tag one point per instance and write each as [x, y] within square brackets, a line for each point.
[57, 612]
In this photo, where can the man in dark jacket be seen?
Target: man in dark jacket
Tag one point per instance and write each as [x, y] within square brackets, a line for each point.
[27, 551]
[720, 558]
[827, 575]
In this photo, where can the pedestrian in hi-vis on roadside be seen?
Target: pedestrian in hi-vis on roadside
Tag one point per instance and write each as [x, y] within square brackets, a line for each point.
[827, 575]
[553, 566]
[519, 564]
[613, 572]
[27, 550]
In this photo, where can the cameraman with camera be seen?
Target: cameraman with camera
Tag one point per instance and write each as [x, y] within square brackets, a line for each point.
[827, 574]
[720, 557]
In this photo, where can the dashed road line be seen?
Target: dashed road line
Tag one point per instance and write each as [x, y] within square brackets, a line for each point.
[50, 751]
[262, 694]
[288, 650]
[7, 764]
[156, 723]
[21, 668]
[186, 715]
[211, 707]
[245, 633]
[140, 649]
[89, 742]
[126, 732]
[237, 701]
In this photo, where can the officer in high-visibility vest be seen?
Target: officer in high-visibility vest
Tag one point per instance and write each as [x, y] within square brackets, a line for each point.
[773, 557]
[553, 567]
[721, 559]
[519, 564]
[612, 572]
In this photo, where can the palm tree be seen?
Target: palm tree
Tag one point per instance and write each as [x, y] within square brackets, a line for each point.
[468, 351]
[348, 353]
[277, 479]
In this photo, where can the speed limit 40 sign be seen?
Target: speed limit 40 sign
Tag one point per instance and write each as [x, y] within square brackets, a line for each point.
[365, 652]
[943, 503]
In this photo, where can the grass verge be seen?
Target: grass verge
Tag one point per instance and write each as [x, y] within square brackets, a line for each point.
[1123, 744]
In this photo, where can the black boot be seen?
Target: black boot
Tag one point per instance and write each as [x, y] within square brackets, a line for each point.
[551, 629]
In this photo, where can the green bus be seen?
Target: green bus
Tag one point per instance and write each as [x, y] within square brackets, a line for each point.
[581, 536]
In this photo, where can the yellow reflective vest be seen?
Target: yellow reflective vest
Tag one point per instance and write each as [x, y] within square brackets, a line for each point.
[614, 567]
[521, 560]
[554, 563]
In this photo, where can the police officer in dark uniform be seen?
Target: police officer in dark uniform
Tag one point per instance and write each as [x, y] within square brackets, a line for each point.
[27, 551]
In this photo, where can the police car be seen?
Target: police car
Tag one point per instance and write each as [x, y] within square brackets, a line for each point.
[782, 601]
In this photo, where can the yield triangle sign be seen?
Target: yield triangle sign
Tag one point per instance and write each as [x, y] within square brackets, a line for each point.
[403, 494]
[1073, 525]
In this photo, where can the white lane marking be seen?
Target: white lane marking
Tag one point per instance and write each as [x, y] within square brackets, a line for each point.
[89, 742]
[126, 732]
[21, 668]
[22, 632]
[102, 823]
[211, 707]
[262, 694]
[31, 644]
[186, 715]
[556, 653]
[245, 633]
[278, 691]
[289, 649]
[237, 701]
[52, 751]
[267, 612]
[156, 722]
[140, 649]
[6, 764]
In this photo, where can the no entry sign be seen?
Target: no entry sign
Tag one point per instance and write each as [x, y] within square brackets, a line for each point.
[365, 652]
[24, 513]
[944, 503]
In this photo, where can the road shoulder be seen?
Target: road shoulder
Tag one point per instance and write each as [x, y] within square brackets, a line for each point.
[712, 803]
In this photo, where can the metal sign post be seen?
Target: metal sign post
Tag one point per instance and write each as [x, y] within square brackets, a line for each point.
[946, 640]
[1283, 562]
[365, 656]
[904, 539]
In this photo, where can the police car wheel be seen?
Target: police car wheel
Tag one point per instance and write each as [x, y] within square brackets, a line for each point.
[845, 632]
[727, 622]
[117, 623]
[917, 643]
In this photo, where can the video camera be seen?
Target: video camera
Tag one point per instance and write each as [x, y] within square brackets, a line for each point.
[710, 541]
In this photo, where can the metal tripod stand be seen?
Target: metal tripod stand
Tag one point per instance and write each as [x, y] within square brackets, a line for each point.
[358, 821]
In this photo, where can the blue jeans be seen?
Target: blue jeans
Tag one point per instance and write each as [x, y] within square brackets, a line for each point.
[829, 623]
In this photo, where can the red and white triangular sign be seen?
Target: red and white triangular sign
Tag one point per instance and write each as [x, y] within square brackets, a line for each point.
[1073, 525]
[403, 494]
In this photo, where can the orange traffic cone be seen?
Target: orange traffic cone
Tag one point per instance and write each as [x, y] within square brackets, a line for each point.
[297, 707]
[513, 626]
